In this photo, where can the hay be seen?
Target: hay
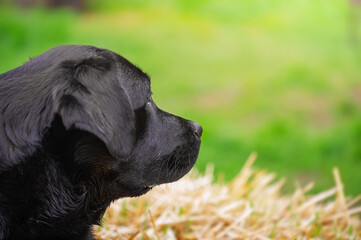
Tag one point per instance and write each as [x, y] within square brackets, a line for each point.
[250, 207]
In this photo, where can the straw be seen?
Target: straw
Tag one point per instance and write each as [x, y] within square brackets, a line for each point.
[251, 206]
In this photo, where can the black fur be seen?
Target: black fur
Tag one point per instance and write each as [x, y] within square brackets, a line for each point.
[78, 130]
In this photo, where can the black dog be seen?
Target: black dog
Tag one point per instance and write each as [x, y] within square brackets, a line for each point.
[79, 129]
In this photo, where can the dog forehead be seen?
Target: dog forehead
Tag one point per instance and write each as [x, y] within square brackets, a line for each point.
[137, 88]
[134, 81]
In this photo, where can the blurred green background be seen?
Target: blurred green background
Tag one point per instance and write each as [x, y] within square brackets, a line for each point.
[278, 77]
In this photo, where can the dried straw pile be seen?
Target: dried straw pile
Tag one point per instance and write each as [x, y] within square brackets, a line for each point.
[250, 207]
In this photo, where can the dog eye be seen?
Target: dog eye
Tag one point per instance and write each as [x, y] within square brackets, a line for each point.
[149, 100]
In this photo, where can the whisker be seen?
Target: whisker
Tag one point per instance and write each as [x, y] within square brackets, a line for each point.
[163, 164]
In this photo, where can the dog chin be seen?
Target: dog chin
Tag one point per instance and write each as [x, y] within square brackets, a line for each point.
[173, 166]
[168, 177]
[140, 190]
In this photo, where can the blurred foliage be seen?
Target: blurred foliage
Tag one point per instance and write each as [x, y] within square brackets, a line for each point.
[281, 78]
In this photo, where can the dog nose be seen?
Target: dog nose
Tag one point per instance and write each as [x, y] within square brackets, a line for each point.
[198, 130]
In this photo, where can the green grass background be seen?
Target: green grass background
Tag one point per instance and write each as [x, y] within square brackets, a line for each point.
[279, 77]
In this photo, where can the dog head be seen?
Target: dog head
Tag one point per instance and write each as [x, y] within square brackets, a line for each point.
[93, 109]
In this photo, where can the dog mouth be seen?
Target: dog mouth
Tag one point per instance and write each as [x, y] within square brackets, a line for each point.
[149, 187]
[156, 168]
[141, 178]
[173, 166]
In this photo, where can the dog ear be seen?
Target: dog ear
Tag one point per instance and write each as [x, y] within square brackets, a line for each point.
[86, 93]
[95, 101]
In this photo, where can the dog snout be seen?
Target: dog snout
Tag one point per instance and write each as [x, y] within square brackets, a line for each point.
[197, 128]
